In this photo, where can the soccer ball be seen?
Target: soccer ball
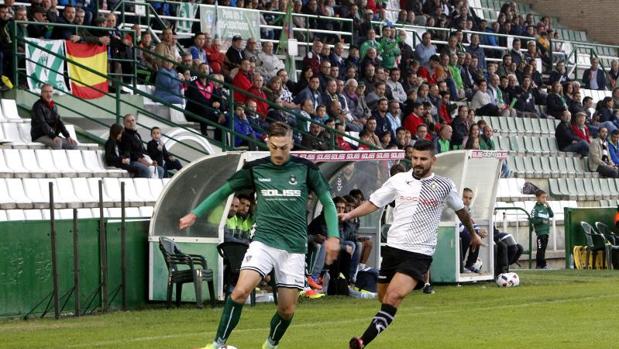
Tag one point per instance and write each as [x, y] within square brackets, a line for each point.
[507, 280]
[227, 347]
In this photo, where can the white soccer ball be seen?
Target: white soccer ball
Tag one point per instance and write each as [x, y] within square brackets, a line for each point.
[507, 280]
[228, 347]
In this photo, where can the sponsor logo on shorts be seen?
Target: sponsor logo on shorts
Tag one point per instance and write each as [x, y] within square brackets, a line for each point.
[247, 258]
[382, 276]
[297, 281]
[264, 179]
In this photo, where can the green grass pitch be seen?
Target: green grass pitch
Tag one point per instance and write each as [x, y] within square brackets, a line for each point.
[551, 309]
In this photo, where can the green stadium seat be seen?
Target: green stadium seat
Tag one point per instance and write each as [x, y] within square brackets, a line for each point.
[529, 167]
[573, 190]
[614, 188]
[571, 168]
[579, 165]
[511, 126]
[544, 146]
[520, 166]
[543, 126]
[563, 188]
[515, 146]
[531, 126]
[589, 190]
[502, 143]
[552, 145]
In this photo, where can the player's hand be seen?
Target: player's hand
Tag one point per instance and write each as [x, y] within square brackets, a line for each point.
[333, 249]
[187, 221]
[343, 217]
[483, 233]
[475, 242]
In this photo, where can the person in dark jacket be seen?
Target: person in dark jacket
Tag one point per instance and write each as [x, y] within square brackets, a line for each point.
[131, 146]
[555, 102]
[158, 152]
[65, 32]
[566, 140]
[204, 99]
[46, 125]
[113, 156]
[594, 78]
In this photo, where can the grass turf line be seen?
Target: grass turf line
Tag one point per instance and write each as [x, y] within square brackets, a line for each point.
[551, 309]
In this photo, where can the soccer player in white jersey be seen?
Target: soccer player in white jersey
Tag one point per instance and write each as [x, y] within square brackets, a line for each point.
[420, 197]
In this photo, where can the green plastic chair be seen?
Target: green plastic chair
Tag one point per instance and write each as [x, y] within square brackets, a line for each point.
[594, 244]
[555, 192]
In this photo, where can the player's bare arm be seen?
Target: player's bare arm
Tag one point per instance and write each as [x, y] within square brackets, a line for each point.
[465, 218]
[364, 209]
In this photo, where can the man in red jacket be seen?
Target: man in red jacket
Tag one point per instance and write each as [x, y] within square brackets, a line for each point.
[414, 119]
[242, 81]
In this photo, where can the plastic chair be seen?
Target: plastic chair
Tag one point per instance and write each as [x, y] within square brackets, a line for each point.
[611, 243]
[233, 252]
[595, 244]
[196, 272]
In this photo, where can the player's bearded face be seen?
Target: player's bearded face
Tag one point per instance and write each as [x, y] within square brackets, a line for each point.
[280, 149]
[422, 163]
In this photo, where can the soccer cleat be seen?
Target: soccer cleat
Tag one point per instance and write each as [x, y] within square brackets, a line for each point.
[313, 284]
[311, 294]
[268, 345]
[355, 343]
[427, 289]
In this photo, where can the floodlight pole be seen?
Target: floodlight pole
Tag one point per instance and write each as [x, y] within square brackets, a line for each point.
[55, 297]
[102, 252]
[123, 247]
[76, 264]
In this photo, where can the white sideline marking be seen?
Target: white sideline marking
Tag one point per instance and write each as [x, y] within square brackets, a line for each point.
[328, 323]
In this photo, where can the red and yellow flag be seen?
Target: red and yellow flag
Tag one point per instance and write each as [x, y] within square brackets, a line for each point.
[86, 84]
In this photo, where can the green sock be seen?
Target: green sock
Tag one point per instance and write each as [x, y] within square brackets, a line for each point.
[278, 328]
[229, 319]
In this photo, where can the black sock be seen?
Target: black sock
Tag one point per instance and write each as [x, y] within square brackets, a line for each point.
[381, 320]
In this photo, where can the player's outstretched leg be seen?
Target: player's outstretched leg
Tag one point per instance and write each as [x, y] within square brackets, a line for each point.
[287, 300]
[400, 286]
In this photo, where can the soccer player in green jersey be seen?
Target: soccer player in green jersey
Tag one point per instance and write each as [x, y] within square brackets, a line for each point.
[282, 184]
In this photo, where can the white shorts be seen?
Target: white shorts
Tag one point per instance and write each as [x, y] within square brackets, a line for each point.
[289, 268]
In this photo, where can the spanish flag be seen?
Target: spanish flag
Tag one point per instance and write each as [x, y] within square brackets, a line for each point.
[86, 84]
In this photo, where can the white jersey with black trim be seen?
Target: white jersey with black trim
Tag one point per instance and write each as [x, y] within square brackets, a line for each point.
[419, 204]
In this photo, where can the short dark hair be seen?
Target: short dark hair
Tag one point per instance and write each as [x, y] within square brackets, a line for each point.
[467, 189]
[424, 145]
[154, 128]
[245, 196]
[356, 192]
[279, 129]
[339, 200]
[396, 168]
[539, 193]
[614, 133]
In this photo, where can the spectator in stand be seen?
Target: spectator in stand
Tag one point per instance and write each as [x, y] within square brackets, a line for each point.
[340, 140]
[460, 127]
[616, 98]
[476, 51]
[250, 51]
[198, 53]
[267, 63]
[472, 140]
[580, 128]
[395, 116]
[317, 138]
[39, 15]
[567, 141]
[470, 75]
[168, 83]
[517, 56]
[242, 81]
[525, 101]
[445, 108]
[483, 103]
[370, 127]
[46, 124]
[167, 47]
[215, 57]
[507, 66]
[113, 156]
[559, 74]
[414, 119]
[370, 42]
[6, 45]
[206, 101]
[396, 88]
[62, 32]
[311, 92]
[593, 78]
[613, 74]
[604, 116]
[146, 61]
[256, 90]
[600, 160]
[422, 133]
[425, 49]
[443, 141]
[383, 125]
[555, 101]
[243, 127]
[390, 50]
[312, 58]
[235, 55]
[501, 101]
[132, 147]
[158, 153]
[613, 147]
[485, 140]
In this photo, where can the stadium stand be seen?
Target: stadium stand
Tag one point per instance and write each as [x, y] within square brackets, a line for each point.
[533, 154]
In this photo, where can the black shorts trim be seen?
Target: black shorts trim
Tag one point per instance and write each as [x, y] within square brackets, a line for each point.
[255, 269]
[278, 285]
[409, 263]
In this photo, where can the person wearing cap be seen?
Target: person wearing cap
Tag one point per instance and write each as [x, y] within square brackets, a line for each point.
[235, 53]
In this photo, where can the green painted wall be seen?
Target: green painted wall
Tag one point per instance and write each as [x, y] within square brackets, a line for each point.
[574, 236]
[25, 264]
